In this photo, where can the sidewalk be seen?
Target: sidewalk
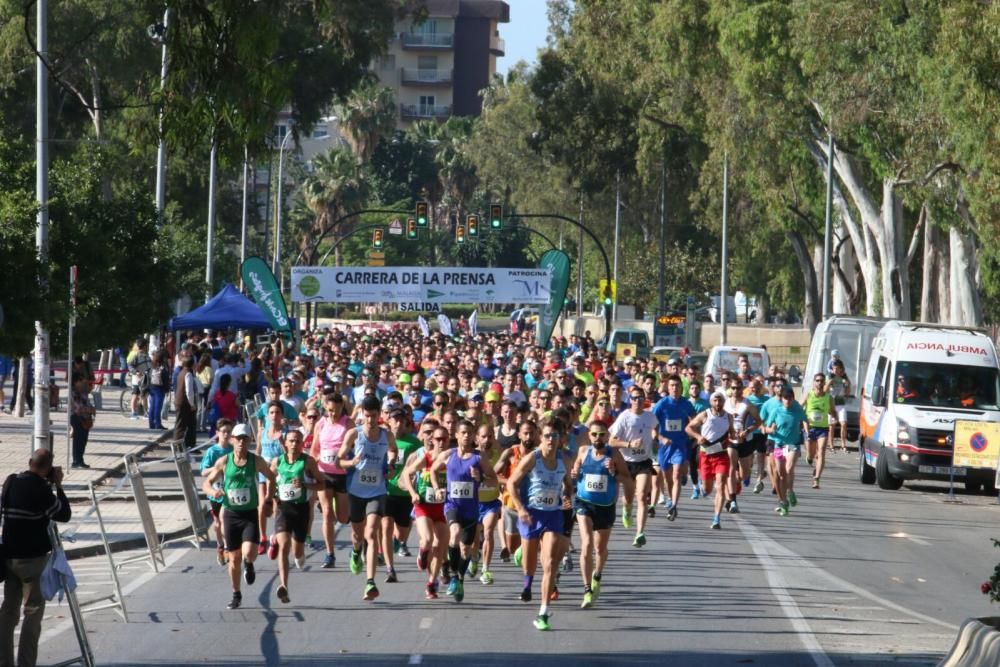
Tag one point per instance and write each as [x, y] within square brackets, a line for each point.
[112, 437]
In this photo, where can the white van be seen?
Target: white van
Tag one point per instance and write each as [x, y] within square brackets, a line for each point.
[726, 357]
[920, 379]
[851, 337]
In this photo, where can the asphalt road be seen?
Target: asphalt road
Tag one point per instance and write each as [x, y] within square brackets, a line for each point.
[854, 576]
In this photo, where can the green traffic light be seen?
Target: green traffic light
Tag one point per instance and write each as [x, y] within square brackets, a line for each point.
[607, 301]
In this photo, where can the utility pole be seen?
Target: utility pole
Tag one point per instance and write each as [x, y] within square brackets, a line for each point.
[276, 261]
[212, 177]
[243, 227]
[723, 298]
[579, 265]
[42, 427]
[828, 237]
[161, 151]
[618, 226]
[663, 232]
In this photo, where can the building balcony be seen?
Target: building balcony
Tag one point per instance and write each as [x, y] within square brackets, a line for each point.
[425, 77]
[498, 47]
[424, 111]
[427, 41]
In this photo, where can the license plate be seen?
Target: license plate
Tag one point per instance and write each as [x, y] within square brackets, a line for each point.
[942, 470]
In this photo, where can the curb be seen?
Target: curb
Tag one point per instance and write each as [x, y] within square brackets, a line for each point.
[122, 545]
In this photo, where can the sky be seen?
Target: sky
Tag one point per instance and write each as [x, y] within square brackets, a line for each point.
[525, 33]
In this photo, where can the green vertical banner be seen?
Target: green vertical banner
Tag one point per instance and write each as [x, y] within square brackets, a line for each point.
[257, 278]
[557, 263]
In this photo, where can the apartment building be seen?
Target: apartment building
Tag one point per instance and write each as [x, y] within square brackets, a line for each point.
[437, 66]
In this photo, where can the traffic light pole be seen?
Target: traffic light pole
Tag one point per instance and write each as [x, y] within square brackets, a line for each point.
[600, 247]
[347, 216]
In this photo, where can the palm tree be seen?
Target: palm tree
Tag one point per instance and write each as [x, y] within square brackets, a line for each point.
[367, 117]
[335, 188]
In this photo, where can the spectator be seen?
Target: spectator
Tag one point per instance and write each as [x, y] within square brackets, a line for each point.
[186, 397]
[81, 420]
[159, 382]
[138, 370]
[225, 400]
[28, 504]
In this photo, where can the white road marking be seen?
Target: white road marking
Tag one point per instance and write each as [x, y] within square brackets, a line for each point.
[776, 580]
[425, 623]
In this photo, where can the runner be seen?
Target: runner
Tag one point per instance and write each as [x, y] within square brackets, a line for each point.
[224, 432]
[505, 466]
[240, 501]
[598, 470]
[330, 433]
[757, 397]
[632, 433]
[786, 422]
[428, 507]
[464, 472]
[711, 430]
[839, 386]
[270, 440]
[489, 502]
[367, 454]
[673, 412]
[296, 474]
[536, 487]
[819, 407]
[399, 510]
[745, 421]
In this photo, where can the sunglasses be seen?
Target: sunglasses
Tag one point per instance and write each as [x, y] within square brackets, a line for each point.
[550, 436]
[312, 416]
[598, 433]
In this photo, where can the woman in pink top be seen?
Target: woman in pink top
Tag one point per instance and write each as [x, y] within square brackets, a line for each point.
[328, 435]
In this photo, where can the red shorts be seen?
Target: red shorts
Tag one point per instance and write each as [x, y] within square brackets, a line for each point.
[713, 464]
[433, 511]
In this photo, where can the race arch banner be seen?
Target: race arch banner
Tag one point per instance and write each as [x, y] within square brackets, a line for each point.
[419, 284]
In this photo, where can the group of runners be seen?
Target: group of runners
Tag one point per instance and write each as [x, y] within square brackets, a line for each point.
[492, 448]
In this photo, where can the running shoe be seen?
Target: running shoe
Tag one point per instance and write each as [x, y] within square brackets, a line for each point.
[734, 508]
[452, 587]
[431, 593]
[518, 554]
[505, 555]
[716, 524]
[249, 574]
[542, 622]
[782, 510]
[262, 547]
[355, 562]
[390, 576]
[395, 546]
[422, 560]
[588, 600]
[329, 562]
[695, 492]
[371, 591]
[272, 550]
[665, 501]
[487, 578]
[404, 551]
[746, 483]
[459, 591]
[300, 563]
[567, 563]
[220, 555]
[809, 461]
[792, 500]
[595, 587]
[236, 601]
[627, 517]
[283, 594]
[381, 559]
[473, 568]
[309, 540]
[652, 512]
[815, 483]
[640, 540]
[727, 505]
[759, 486]
[671, 514]
[525, 595]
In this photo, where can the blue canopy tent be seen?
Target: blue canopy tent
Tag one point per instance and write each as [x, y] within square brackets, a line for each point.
[226, 310]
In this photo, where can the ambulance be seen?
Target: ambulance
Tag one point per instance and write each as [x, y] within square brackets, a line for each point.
[920, 379]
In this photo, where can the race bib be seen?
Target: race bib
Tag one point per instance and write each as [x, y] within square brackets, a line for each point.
[546, 500]
[430, 496]
[815, 415]
[638, 452]
[289, 492]
[595, 483]
[461, 490]
[672, 425]
[328, 457]
[369, 478]
[239, 496]
[717, 448]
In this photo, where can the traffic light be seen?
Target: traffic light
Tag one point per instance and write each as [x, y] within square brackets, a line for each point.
[411, 229]
[460, 233]
[496, 217]
[607, 297]
[422, 214]
[377, 239]
[473, 225]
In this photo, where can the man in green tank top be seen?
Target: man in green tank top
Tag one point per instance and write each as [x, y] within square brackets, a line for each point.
[296, 474]
[397, 521]
[238, 472]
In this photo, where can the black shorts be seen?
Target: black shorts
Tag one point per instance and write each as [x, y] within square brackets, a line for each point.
[568, 523]
[336, 482]
[759, 442]
[400, 508]
[745, 449]
[215, 508]
[239, 526]
[467, 525]
[292, 518]
[360, 508]
[639, 467]
[602, 516]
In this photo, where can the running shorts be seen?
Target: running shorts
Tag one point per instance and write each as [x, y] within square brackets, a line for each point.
[817, 433]
[759, 442]
[542, 521]
[467, 524]
[673, 455]
[400, 508]
[215, 508]
[338, 483]
[745, 449]
[432, 511]
[639, 467]
[239, 526]
[492, 507]
[602, 516]
[841, 413]
[292, 518]
[362, 507]
[710, 465]
[510, 521]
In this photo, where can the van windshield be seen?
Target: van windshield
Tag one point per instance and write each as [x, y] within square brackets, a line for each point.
[730, 360]
[972, 387]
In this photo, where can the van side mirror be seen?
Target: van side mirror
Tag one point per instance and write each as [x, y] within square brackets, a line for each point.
[878, 397]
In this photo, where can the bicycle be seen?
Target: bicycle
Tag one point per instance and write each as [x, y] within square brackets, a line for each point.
[125, 403]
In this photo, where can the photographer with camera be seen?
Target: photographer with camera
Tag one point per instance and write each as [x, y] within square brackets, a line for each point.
[28, 502]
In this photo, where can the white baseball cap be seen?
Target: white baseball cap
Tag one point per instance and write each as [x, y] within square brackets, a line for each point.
[241, 431]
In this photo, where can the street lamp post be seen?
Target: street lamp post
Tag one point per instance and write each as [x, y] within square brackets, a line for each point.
[159, 33]
[276, 261]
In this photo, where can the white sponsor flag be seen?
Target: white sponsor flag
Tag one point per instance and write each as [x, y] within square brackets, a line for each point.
[444, 324]
[474, 323]
[425, 328]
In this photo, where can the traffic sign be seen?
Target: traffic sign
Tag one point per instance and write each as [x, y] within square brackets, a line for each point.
[376, 258]
[603, 285]
[396, 227]
[977, 444]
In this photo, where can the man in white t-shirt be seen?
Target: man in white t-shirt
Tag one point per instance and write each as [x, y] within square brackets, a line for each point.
[634, 433]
